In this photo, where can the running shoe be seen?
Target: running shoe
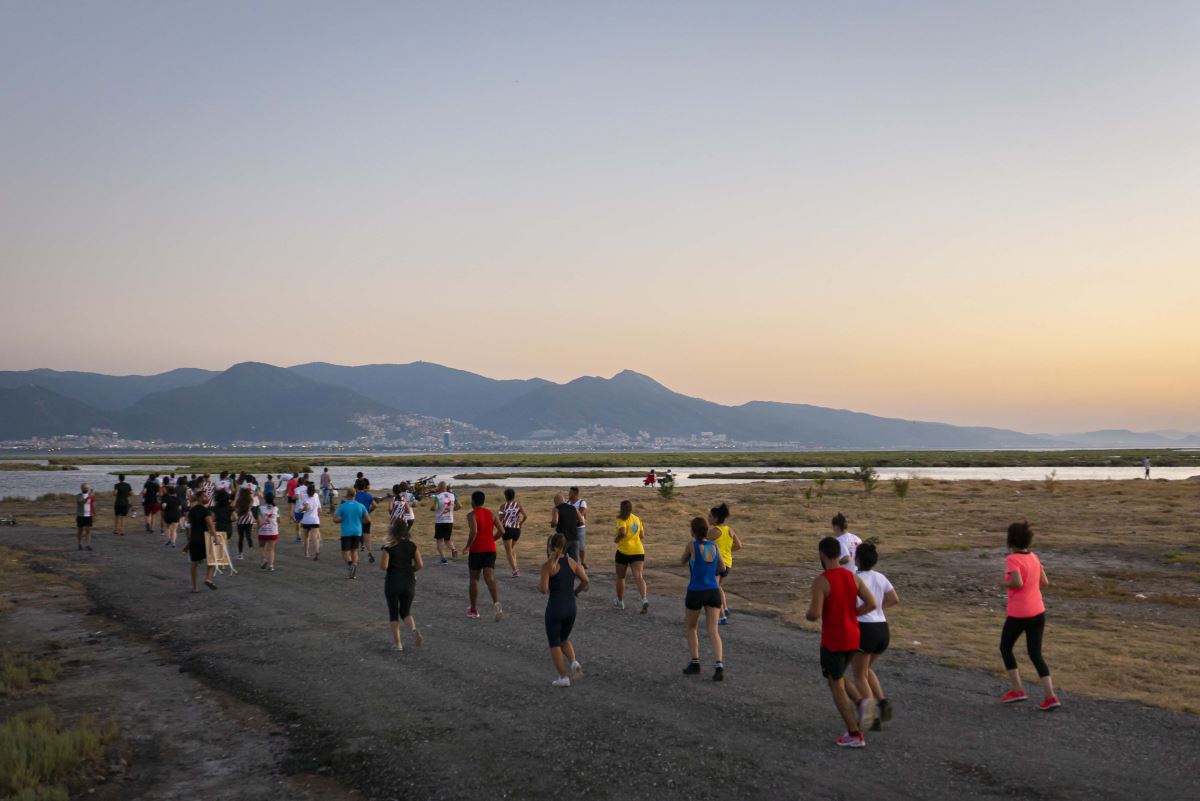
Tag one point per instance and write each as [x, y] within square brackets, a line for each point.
[418, 638]
[445, 561]
[516, 574]
[353, 571]
[263, 566]
[473, 614]
[297, 538]
[80, 544]
[271, 569]
[724, 621]
[645, 606]
[453, 552]
[576, 670]
[499, 612]
[240, 557]
[1050, 703]
[210, 585]
[849, 740]
[877, 725]
[165, 544]
[726, 612]
[719, 674]
[398, 647]
[618, 603]
[562, 681]
[692, 669]
[1013, 696]
[87, 547]
[316, 556]
[370, 557]
[885, 710]
[866, 712]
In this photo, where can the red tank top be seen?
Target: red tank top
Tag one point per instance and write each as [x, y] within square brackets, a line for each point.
[839, 621]
[484, 531]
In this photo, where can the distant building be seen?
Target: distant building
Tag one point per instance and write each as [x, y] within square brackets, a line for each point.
[446, 439]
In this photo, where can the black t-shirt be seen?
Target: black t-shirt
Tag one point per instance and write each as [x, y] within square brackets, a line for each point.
[224, 515]
[198, 521]
[568, 522]
[151, 495]
[123, 491]
[171, 505]
[402, 563]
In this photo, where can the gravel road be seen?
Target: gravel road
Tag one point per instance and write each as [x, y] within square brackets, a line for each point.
[471, 714]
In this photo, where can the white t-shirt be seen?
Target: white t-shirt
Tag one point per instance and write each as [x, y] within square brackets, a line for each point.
[849, 542]
[268, 519]
[312, 511]
[445, 508]
[411, 500]
[301, 494]
[879, 586]
[283, 479]
[223, 484]
[581, 505]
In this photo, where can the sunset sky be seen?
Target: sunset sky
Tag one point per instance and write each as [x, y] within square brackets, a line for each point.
[969, 212]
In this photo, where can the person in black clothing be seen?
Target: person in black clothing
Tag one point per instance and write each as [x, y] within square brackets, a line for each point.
[172, 512]
[557, 583]
[200, 527]
[223, 513]
[122, 492]
[400, 560]
[151, 506]
[565, 520]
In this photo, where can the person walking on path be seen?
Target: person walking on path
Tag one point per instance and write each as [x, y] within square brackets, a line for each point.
[173, 508]
[445, 503]
[85, 516]
[512, 516]
[400, 559]
[727, 542]
[704, 563]
[557, 583]
[1024, 579]
[122, 492]
[483, 529]
[1146, 466]
[327, 492]
[201, 528]
[835, 602]
[873, 639]
[268, 532]
[630, 555]
[565, 520]
[151, 506]
[351, 514]
[308, 507]
[581, 506]
[367, 500]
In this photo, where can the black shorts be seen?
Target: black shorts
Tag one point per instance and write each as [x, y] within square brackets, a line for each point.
[698, 599]
[873, 638]
[196, 551]
[834, 663]
[512, 534]
[481, 560]
[725, 572]
[442, 531]
[558, 628]
[309, 526]
[629, 558]
[82, 521]
[366, 526]
[170, 518]
[121, 509]
[351, 543]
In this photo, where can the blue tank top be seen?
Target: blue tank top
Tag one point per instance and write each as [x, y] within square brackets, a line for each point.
[561, 598]
[704, 573]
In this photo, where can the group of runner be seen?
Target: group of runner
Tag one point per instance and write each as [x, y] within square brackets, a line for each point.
[849, 597]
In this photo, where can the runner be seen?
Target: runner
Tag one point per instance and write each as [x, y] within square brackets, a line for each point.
[400, 560]
[85, 515]
[150, 503]
[1024, 578]
[268, 532]
[847, 541]
[122, 492]
[308, 507]
[367, 500]
[581, 531]
[704, 561]
[352, 515]
[513, 516]
[445, 503]
[483, 529]
[243, 508]
[410, 511]
[873, 638]
[565, 520]
[631, 555]
[835, 595]
[172, 512]
[292, 484]
[727, 542]
[557, 583]
[209, 488]
[200, 526]
[327, 492]
[398, 507]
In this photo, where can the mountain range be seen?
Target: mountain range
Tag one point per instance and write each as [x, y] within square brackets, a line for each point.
[410, 404]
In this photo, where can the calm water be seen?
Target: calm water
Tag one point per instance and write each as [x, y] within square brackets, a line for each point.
[31, 483]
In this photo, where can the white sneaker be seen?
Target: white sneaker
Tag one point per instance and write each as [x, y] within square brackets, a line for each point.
[576, 670]
[397, 647]
[645, 605]
[618, 603]
[561, 681]
[418, 638]
[499, 612]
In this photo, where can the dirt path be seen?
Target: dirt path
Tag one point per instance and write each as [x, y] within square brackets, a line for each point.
[471, 714]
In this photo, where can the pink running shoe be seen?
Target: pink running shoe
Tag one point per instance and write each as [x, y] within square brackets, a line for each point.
[473, 614]
[849, 740]
[516, 574]
[1013, 696]
[1050, 704]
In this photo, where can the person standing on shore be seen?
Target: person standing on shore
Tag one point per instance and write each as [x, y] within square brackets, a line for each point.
[200, 530]
[565, 520]
[557, 583]
[483, 529]
[835, 602]
[151, 506]
[122, 492]
[512, 515]
[85, 516]
[400, 559]
[327, 488]
[351, 515]
[630, 555]
[703, 559]
[444, 505]
[367, 500]
[1146, 466]
[1024, 579]
[581, 506]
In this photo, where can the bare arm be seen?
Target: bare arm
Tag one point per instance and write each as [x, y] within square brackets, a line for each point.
[417, 561]
[1014, 580]
[470, 532]
[1043, 581]
[496, 524]
[521, 516]
[687, 554]
[819, 588]
[384, 558]
[581, 574]
[868, 600]
[890, 599]
[544, 579]
[737, 541]
[554, 518]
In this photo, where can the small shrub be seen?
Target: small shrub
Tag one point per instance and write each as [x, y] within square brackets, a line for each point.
[18, 671]
[868, 476]
[808, 494]
[666, 491]
[900, 487]
[1051, 482]
[37, 752]
[820, 482]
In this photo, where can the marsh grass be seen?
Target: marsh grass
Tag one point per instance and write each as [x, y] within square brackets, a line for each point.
[38, 754]
[868, 476]
[900, 487]
[21, 671]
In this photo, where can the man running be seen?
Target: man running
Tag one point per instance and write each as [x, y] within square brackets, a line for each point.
[483, 529]
[565, 520]
[444, 504]
[150, 503]
[848, 541]
[835, 596]
[85, 515]
[581, 529]
[367, 500]
[122, 492]
[351, 514]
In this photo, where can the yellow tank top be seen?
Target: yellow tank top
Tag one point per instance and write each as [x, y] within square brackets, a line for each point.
[725, 545]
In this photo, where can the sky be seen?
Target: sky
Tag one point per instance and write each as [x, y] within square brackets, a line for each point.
[980, 213]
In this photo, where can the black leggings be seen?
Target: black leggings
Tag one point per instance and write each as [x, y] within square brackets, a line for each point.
[244, 530]
[1033, 628]
[399, 601]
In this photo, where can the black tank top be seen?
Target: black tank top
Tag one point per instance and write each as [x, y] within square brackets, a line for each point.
[560, 601]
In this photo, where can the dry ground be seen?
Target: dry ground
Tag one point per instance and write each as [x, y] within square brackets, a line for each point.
[1123, 559]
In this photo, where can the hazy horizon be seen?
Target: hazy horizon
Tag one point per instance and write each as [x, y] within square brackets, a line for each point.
[973, 214]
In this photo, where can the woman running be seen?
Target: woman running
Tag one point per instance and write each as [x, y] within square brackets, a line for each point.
[243, 509]
[268, 532]
[873, 639]
[400, 560]
[1024, 578]
[172, 511]
[703, 592]
[631, 555]
[308, 507]
[512, 515]
[557, 583]
[727, 542]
